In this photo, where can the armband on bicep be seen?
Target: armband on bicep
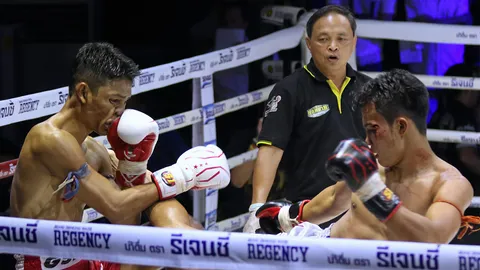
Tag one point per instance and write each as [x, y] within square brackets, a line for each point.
[71, 184]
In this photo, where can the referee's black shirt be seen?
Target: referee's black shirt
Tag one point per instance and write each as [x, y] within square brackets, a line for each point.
[307, 116]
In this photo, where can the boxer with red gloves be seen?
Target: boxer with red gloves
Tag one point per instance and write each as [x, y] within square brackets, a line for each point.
[133, 137]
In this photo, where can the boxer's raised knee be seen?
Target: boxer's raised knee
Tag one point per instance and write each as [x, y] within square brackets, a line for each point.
[169, 214]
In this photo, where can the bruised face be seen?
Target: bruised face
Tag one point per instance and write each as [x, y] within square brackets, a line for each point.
[102, 108]
[386, 140]
[332, 41]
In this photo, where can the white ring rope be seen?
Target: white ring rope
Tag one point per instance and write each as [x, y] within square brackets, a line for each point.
[220, 250]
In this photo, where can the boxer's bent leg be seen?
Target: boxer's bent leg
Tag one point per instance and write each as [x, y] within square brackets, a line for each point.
[171, 214]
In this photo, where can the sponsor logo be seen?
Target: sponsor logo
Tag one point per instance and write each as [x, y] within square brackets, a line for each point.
[206, 81]
[163, 123]
[197, 65]
[62, 98]
[318, 110]
[180, 245]
[28, 105]
[243, 52]
[136, 246]
[243, 100]
[469, 140]
[80, 236]
[272, 105]
[256, 96]
[19, 234]
[406, 260]
[226, 57]
[167, 178]
[7, 111]
[340, 259]
[466, 35]
[223, 58]
[146, 78]
[177, 71]
[179, 119]
[466, 83]
[209, 112]
[276, 252]
[468, 260]
[387, 194]
[219, 108]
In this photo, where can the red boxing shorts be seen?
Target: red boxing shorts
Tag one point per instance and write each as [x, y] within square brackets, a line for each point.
[43, 263]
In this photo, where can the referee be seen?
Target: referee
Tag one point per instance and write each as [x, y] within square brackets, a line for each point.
[309, 112]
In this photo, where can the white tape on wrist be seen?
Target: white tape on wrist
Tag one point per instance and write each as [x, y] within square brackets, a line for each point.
[286, 223]
[132, 168]
[370, 188]
[253, 207]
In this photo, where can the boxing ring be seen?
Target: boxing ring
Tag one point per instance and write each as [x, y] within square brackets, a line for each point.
[218, 247]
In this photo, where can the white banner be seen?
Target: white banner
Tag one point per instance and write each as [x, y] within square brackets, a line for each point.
[442, 82]
[140, 245]
[419, 32]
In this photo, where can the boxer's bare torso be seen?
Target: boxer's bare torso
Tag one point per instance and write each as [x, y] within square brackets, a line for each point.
[417, 192]
[33, 187]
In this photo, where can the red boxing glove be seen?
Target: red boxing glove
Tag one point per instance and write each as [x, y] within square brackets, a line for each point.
[133, 137]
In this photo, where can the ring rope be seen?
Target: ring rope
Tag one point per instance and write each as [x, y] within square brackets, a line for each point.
[219, 250]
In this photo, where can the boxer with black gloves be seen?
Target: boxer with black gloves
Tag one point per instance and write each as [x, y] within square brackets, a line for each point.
[415, 196]
[353, 162]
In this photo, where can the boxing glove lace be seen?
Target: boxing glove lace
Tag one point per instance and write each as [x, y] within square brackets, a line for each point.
[353, 162]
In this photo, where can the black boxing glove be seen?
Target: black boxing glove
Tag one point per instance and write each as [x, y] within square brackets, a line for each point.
[353, 162]
[280, 216]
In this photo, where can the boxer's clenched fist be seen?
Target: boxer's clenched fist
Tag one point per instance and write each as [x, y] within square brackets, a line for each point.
[133, 137]
[280, 216]
[198, 168]
[353, 162]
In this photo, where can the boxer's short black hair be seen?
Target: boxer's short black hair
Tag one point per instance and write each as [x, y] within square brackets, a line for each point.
[396, 93]
[324, 11]
[98, 63]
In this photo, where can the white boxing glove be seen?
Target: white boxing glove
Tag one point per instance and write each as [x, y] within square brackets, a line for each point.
[198, 168]
[133, 137]
[252, 224]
